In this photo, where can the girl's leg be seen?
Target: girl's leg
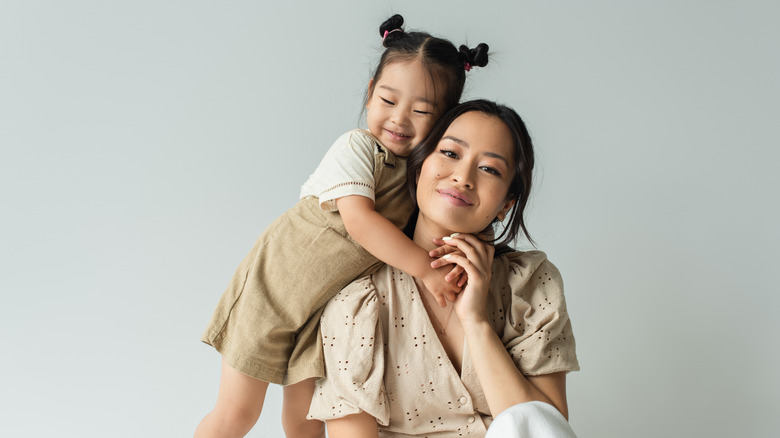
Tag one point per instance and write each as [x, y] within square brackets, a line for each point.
[297, 399]
[238, 407]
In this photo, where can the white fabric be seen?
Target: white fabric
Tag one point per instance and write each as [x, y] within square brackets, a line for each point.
[346, 169]
[530, 420]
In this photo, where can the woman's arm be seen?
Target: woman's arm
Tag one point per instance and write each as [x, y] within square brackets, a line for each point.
[356, 425]
[389, 244]
[501, 381]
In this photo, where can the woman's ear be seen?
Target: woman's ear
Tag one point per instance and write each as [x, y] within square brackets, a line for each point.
[502, 213]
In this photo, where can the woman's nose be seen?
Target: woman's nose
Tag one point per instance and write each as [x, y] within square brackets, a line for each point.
[463, 176]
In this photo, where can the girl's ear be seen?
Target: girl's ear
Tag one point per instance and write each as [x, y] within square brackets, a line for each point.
[502, 213]
[370, 91]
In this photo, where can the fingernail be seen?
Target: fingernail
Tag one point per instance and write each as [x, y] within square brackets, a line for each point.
[446, 256]
[446, 238]
[454, 234]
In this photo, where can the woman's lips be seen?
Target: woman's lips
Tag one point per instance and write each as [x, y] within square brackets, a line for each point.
[455, 197]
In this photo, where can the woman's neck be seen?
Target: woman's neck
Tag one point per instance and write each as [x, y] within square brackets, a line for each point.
[425, 232]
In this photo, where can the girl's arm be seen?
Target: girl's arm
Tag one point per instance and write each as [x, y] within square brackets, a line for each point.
[502, 382]
[389, 244]
[356, 425]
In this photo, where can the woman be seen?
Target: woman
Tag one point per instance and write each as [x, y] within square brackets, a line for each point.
[398, 364]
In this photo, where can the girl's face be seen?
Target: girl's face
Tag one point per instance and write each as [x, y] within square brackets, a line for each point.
[402, 107]
[463, 184]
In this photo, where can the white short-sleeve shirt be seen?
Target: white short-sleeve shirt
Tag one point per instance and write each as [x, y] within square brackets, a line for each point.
[346, 169]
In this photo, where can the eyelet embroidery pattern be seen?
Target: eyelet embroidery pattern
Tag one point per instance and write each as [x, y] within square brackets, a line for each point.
[351, 183]
[415, 388]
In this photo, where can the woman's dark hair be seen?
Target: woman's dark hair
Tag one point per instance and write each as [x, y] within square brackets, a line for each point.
[439, 57]
[519, 188]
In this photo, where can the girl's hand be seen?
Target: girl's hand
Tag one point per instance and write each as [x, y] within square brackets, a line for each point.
[457, 275]
[475, 257]
[436, 284]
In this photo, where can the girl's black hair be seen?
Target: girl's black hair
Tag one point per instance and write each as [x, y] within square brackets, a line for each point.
[439, 57]
[519, 188]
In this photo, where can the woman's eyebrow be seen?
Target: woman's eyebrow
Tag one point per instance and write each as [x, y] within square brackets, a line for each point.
[494, 155]
[420, 99]
[465, 144]
[456, 140]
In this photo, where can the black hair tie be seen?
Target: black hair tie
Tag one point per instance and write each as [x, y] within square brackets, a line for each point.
[476, 57]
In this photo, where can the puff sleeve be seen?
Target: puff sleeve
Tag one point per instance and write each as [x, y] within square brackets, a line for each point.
[346, 169]
[353, 345]
[537, 331]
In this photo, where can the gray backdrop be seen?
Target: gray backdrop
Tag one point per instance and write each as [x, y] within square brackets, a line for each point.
[146, 144]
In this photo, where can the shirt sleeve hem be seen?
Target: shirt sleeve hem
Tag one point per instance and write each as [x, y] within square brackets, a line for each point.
[329, 196]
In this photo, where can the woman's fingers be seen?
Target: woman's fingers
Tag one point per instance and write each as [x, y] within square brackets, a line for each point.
[441, 250]
[444, 259]
[471, 247]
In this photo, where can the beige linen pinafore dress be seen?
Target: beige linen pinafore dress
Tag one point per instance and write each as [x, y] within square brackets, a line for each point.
[266, 324]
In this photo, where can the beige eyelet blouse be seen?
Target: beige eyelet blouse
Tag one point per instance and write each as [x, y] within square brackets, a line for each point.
[382, 355]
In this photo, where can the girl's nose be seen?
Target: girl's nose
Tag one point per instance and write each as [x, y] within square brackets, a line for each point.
[400, 116]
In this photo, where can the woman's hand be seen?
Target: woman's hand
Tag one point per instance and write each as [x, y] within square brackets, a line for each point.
[504, 385]
[475, 257]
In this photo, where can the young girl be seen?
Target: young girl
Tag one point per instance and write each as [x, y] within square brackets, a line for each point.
[347, 221]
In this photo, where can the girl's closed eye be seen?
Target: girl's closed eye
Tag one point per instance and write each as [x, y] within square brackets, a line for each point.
[387, 101]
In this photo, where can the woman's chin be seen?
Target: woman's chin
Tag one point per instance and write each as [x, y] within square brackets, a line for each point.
[444, 224]
[449, 228]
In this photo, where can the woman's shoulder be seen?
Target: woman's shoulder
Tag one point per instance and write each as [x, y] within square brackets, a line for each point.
[527, 272]
[355, 292]
[536, 331]
[524, 263]
[355, 297]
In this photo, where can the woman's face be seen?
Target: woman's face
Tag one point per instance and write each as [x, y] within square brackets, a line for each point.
[463, 184]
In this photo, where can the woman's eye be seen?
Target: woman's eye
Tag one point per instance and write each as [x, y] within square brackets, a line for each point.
[387, 101]
[491, 170]
[448, 153]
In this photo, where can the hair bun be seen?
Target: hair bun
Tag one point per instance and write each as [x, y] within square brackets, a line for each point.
[391, 29]
[476, 57]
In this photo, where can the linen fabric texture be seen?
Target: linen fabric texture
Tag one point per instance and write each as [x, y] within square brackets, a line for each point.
[266, 324]
[383, 357]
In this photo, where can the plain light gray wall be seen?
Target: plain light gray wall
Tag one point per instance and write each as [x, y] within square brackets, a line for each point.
[146, 144]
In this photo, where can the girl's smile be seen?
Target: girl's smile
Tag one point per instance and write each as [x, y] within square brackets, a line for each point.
[398, 136]
[402, 106]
